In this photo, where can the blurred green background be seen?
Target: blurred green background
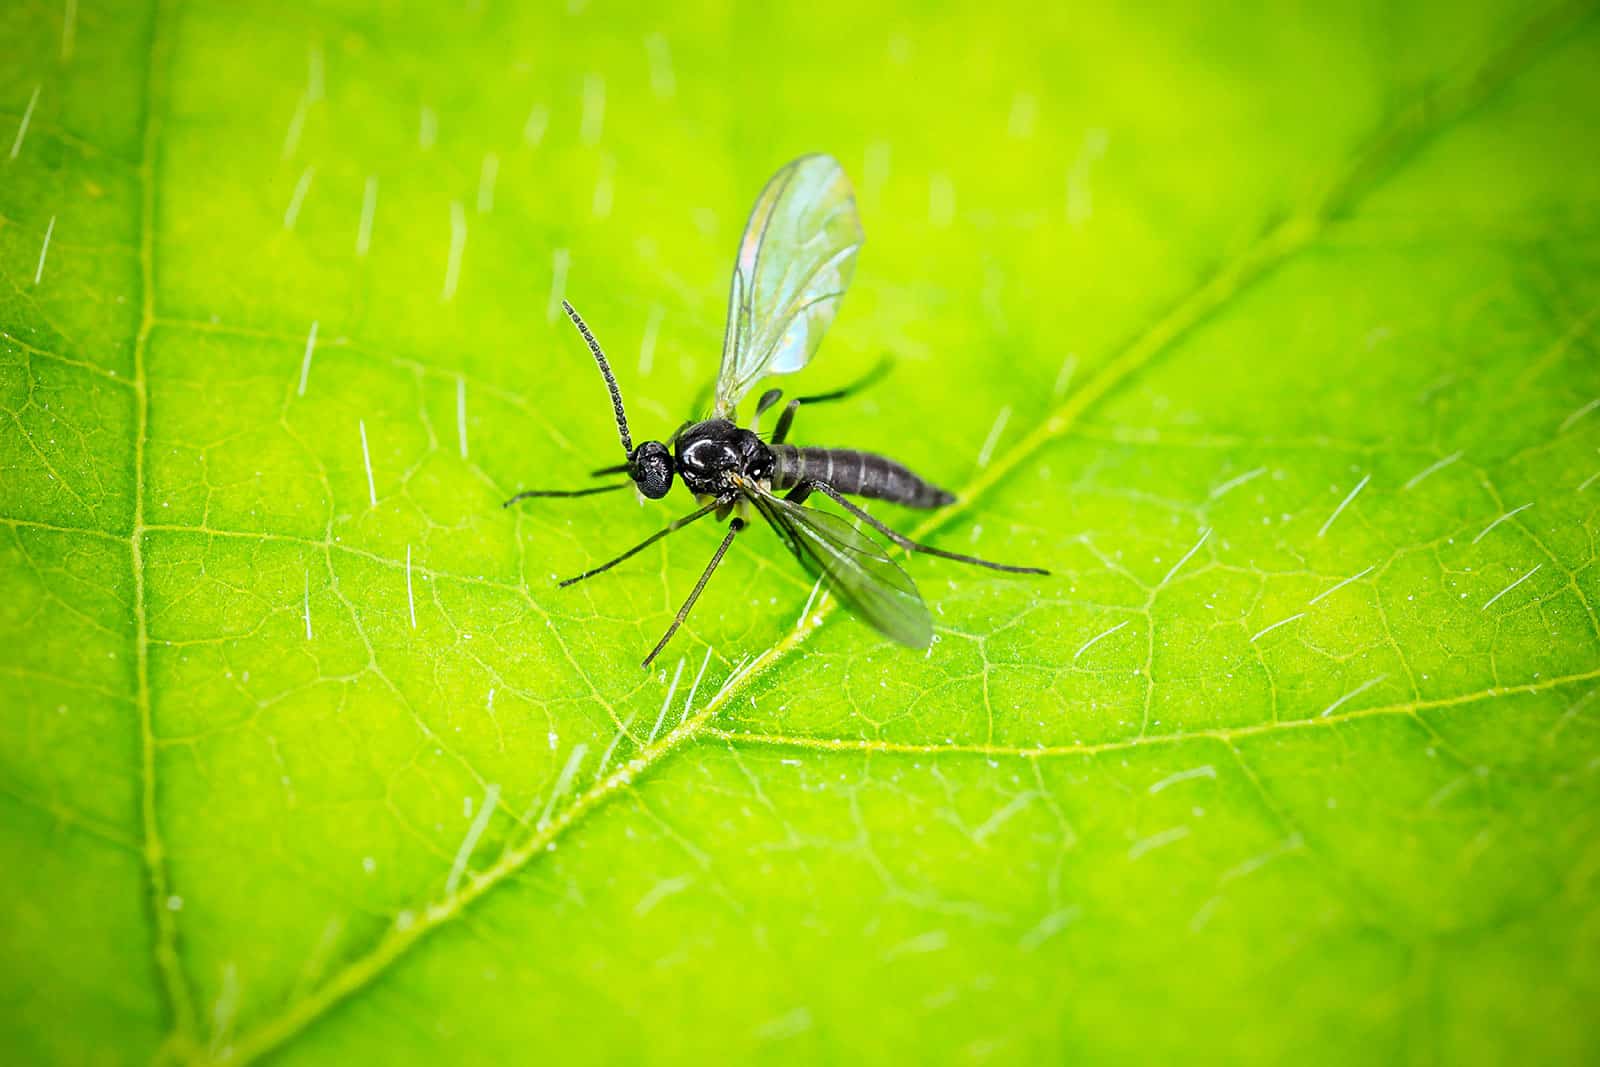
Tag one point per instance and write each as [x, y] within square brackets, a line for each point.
[1269, 329]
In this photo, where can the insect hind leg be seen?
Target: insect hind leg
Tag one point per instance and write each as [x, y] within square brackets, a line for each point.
[780, 432]
[901, 539]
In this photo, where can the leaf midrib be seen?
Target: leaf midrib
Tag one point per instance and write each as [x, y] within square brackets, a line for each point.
[179, 997]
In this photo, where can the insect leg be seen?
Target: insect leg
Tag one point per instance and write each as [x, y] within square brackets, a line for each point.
[781, 431]
[905, 542]
[671, 527]
[592, 474]
[620, 468]
[528, 493]
[694, 594]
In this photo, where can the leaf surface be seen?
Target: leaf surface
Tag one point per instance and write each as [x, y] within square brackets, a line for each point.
[1272, 337]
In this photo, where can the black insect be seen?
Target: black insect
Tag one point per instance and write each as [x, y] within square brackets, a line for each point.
[795, 261]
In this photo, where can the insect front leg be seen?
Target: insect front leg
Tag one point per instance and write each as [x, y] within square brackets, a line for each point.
[620, 468]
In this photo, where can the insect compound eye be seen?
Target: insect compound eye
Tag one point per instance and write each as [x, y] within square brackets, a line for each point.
[650, 466]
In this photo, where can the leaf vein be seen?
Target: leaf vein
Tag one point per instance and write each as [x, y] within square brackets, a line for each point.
[1280, 243]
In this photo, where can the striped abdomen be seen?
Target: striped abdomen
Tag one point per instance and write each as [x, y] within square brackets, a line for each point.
[855, 473]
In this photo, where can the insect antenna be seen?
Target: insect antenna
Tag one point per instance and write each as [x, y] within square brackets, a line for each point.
[605, 371]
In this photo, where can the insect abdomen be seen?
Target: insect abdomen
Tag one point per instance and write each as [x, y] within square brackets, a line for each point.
[855, 473]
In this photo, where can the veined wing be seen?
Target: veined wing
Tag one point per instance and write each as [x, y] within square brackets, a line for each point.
[795, 260]
[855, 568]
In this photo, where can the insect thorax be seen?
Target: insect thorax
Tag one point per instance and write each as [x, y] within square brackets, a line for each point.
[708, 452]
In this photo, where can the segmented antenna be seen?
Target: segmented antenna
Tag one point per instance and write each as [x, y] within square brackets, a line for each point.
[605, 369]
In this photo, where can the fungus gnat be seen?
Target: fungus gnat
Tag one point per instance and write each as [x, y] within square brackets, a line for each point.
[794, 264]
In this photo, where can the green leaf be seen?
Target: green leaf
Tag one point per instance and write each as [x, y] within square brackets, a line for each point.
[1272, 334]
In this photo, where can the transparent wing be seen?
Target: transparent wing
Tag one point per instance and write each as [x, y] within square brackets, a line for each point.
[855, 568]
[795, 261]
